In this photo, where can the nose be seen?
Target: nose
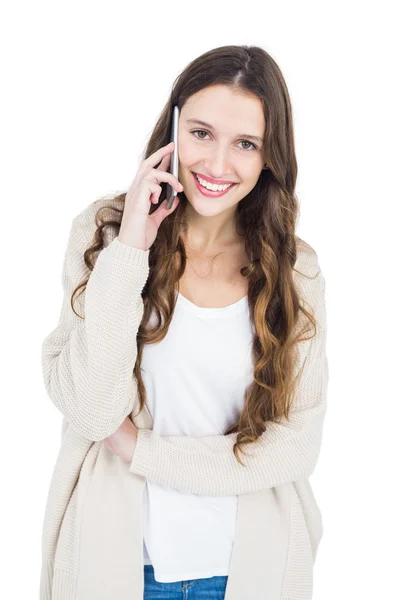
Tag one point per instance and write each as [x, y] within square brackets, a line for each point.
[218, 165]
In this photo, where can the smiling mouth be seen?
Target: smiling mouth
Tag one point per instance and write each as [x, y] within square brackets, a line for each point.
[211, 193]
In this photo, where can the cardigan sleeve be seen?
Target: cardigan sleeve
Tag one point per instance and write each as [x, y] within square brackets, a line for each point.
[285, 452]
[88, 363]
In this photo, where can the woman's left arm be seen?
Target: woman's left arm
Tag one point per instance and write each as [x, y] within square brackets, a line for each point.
[286, 451]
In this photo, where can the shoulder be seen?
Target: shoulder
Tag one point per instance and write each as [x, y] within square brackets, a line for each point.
[86, 221]
[307, 261]
[82, 237]
[82, 233]
[307, 273]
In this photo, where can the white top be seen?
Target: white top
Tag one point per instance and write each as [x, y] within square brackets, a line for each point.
[195, 382]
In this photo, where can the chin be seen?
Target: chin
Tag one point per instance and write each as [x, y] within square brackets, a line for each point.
[210, 209]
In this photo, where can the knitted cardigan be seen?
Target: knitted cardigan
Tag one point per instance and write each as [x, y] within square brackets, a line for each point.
[92, 539]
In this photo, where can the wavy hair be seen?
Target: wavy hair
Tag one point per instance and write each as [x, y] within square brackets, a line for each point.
[266, 218]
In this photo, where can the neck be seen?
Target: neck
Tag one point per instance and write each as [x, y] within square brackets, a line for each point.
[205, 234]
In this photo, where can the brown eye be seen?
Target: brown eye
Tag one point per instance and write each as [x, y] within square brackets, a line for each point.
[247, 142]
[199, 131]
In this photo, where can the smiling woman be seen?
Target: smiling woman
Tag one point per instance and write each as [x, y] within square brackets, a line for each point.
[193, 405]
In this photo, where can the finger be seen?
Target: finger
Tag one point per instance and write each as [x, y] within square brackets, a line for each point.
[160, 177]
[162, 211]
[155, 195]
[155, 158]
[163, 166]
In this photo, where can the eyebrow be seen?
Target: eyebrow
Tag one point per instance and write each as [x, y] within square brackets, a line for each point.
[242, 135]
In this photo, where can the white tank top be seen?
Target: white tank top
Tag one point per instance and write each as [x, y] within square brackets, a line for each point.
[195, 381]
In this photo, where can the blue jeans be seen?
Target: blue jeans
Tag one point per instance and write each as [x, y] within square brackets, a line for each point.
[212, 588]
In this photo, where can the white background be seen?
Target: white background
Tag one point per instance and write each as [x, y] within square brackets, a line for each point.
[83, 84]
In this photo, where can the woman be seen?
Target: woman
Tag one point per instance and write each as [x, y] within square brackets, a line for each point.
[193, 397]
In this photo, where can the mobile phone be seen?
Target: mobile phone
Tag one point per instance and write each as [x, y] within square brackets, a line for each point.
[174, 160]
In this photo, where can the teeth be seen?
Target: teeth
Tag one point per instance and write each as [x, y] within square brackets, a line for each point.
[212, 186]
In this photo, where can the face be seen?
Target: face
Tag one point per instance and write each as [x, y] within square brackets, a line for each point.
[223, 150]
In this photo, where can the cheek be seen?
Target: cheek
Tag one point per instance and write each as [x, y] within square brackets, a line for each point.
[190, 152]
[188, 155]
[252, 172]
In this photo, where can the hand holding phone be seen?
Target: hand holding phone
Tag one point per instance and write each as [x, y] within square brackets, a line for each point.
[138, 228]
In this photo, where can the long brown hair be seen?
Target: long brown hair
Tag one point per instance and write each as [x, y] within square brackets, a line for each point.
[266, 218]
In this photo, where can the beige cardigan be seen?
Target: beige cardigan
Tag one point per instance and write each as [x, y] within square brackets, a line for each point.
[92, 545]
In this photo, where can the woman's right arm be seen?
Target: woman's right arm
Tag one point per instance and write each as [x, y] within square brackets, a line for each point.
[88, 363]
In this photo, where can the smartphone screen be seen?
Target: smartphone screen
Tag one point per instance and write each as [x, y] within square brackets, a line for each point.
[174, 161]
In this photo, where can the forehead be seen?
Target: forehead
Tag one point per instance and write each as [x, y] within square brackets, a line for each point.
[228, 110]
